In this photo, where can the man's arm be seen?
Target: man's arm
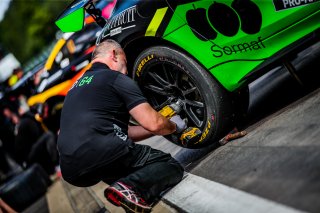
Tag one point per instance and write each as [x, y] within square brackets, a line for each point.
[138, 133]
[6, 207]
[151, 120]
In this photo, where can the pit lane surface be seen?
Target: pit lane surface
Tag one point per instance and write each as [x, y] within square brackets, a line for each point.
[276, 167]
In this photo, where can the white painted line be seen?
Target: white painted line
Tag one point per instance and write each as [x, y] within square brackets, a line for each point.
[195, 194]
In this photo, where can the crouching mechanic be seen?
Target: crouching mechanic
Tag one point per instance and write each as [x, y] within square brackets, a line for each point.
[96, 143]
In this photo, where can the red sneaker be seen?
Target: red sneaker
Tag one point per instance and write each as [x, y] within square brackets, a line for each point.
[120, 194]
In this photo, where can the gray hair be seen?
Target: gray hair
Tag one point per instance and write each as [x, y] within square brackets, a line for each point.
[104, 47]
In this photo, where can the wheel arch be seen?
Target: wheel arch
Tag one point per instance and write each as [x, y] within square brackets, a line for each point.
[136, 46]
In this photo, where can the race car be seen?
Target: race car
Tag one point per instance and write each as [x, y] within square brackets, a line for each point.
[68, 57]
[203, 53]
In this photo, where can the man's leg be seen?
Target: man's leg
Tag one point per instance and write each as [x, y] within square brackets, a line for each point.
[159, 172]
[151, 172]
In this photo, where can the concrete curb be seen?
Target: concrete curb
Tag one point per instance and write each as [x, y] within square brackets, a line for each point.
[197, 194]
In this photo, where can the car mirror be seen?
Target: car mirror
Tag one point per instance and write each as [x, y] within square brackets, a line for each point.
[72, 18]
[72, 21]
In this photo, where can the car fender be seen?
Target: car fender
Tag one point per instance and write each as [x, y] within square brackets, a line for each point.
[133, 22]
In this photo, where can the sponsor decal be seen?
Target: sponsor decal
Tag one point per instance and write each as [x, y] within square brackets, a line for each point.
[115, 31]
[119, 132]
[142, 63]
[114, 26]
[237, 48]
[287, 4]
[227, 21]
[126, 16]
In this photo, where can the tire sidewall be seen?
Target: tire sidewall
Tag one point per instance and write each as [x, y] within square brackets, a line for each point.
[211, 91]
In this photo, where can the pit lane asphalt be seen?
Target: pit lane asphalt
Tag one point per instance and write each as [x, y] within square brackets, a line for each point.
[279, 159]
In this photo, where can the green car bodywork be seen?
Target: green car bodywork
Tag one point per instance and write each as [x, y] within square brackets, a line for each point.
[229, 58]
[205, 53]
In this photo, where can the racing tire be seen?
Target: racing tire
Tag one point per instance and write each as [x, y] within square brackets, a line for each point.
[26, 188]
[166, 75]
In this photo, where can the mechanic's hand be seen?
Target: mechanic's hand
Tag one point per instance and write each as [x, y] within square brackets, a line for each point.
[181, 123]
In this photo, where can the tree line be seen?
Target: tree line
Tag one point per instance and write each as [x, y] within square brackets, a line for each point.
[28, 26]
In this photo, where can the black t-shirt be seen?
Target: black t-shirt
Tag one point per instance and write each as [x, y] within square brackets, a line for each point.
[94, 119]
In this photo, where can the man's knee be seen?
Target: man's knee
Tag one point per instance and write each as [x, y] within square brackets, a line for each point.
[176, 164]
[81, 181]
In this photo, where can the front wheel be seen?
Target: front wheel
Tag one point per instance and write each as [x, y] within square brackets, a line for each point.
[166, 75]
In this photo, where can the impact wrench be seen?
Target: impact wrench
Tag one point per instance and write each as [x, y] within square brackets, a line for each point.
[190, 135]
